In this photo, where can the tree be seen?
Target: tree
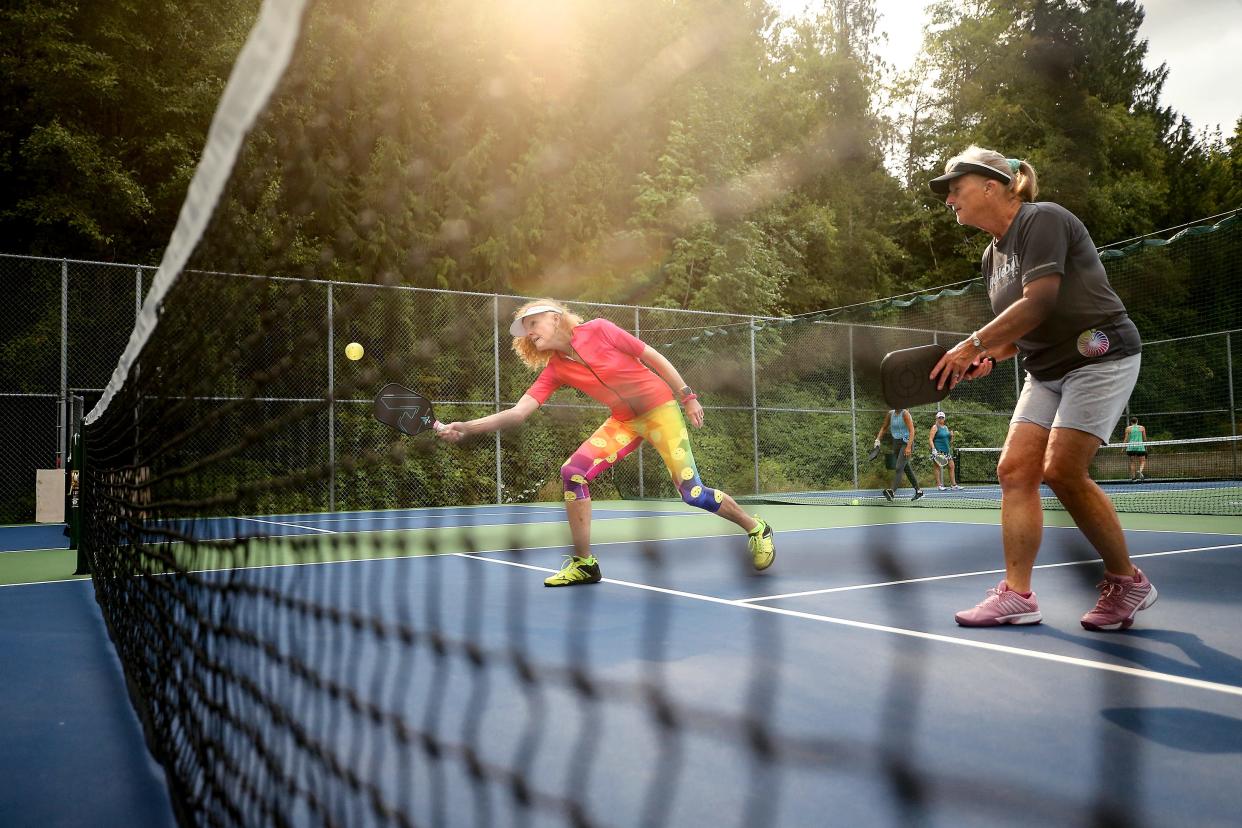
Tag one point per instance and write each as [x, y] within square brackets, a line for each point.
[105, 106]
[1061, 84]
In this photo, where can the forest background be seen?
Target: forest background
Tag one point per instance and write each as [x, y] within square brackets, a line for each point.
[673, 153]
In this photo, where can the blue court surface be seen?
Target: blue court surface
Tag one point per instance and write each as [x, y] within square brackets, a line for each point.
[884, 711]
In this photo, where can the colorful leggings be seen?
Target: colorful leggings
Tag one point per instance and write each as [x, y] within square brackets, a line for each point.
[665, 429]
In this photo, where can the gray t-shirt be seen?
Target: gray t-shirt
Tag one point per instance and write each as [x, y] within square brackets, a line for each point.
[1089, 323]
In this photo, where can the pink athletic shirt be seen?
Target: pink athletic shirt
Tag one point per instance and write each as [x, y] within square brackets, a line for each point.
[615, 377]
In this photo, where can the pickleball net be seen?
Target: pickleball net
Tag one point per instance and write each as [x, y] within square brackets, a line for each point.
[1199, 476]
[1195, 476]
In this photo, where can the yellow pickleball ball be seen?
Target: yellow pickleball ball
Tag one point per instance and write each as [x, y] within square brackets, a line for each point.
[354, 351]
[854, 502]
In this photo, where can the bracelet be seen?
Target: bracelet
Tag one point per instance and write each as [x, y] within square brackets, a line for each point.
[689, 397]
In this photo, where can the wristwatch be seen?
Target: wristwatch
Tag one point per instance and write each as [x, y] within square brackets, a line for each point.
[686, 391]
[977, 342]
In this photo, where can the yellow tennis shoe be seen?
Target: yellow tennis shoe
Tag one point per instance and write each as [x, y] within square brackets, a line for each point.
[576, 571]
[762, 547]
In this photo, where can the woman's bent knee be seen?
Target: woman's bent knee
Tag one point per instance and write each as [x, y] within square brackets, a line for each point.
[1019, 473]
[701, 496]
[1061, 475]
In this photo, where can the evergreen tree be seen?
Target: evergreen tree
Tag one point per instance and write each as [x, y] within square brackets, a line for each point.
[105, 108]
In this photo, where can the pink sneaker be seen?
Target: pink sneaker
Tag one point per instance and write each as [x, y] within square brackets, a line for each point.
[1002, 606]
[1120, 599]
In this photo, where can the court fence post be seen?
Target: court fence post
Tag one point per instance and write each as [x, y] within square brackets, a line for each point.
[638, 334]
[500, 482]
[137, 315]
[331, 410]
[754, 402]
[62, 409]
[1233, 411]
[137, 369]
[853, 410]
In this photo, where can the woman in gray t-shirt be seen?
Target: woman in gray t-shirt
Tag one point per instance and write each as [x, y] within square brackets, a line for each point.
[1055, 308]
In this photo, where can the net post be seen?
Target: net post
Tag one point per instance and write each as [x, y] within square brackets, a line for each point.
[754, 401]
[73, 486]
[638, 334]
[500, 482]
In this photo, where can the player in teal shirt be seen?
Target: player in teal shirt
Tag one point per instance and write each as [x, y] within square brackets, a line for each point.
[941, 440]
[1136, 449]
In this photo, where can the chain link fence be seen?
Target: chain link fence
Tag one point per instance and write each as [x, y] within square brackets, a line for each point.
[793, 405]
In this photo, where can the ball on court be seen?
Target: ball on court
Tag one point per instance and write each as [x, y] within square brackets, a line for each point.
[354, 351]
[854, 502]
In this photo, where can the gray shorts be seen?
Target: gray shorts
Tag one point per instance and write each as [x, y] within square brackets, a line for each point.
[1090, 398]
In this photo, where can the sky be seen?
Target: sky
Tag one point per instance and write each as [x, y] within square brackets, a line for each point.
[1199, 40]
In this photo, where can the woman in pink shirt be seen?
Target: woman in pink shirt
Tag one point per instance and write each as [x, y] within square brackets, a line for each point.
[635, 381]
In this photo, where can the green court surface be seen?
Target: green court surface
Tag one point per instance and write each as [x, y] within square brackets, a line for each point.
[41, 565]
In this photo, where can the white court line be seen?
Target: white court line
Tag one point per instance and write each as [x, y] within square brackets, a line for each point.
[971, 574]
[277, 523]
[1076, 529]
[372, 519]
[1135, 672]
[731, 534]
[601, 514]
[37, 549]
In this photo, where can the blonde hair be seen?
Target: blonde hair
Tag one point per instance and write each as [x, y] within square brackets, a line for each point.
[1023, 182]
[526, 351]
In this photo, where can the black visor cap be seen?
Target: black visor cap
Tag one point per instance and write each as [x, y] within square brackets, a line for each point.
[940, 186]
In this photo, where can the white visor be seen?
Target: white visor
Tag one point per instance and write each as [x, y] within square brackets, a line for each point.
[939, 414]
[516, 328]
